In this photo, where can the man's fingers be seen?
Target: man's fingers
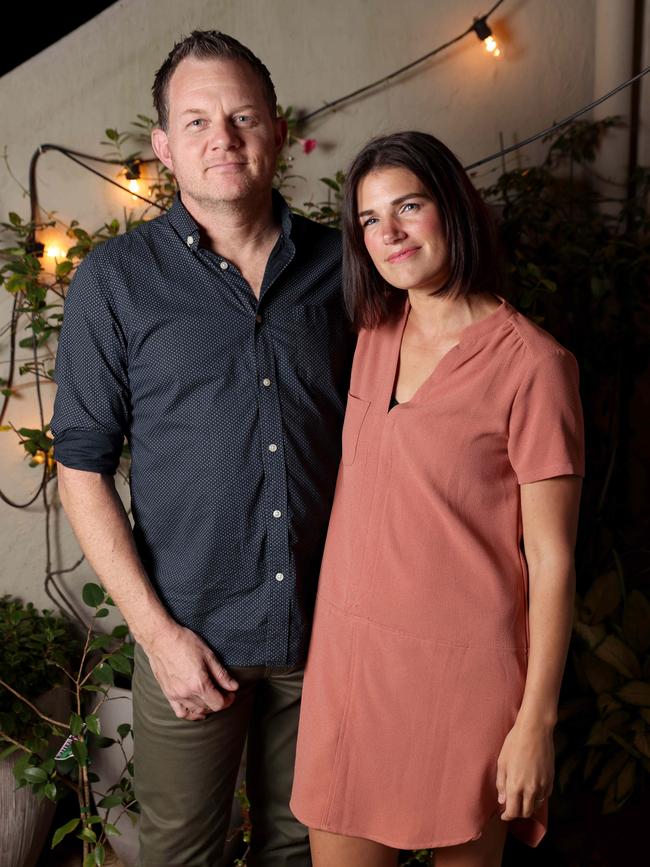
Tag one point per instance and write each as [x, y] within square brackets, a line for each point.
[187, 711]
[221, 676]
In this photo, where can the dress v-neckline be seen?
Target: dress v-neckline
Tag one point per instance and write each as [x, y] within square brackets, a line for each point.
[467, 335]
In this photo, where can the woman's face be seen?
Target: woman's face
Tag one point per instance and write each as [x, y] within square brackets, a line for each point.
[402, 229]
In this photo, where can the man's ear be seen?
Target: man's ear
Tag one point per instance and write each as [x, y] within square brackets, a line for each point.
[281, 132]
[160, 145]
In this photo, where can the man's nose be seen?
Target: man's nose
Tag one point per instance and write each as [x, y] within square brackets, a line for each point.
[224, 136]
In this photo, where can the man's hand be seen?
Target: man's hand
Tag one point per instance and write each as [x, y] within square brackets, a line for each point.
[190, 675]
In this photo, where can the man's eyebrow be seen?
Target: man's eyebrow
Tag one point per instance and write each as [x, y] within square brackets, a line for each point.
[397, 201]
[203, 110]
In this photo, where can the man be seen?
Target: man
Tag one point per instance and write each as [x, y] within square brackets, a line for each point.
[213, 338]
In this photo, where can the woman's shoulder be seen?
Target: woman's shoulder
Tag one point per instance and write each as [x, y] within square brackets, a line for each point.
[537, 343]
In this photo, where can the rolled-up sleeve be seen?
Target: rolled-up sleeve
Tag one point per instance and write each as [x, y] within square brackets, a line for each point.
[92, 404]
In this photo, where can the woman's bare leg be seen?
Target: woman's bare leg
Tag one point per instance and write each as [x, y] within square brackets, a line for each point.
[337, 850]
[487, 851]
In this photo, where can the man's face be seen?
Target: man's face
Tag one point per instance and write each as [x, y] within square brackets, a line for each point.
[221, 142]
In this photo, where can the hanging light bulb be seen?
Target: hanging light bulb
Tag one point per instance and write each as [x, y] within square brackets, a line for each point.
[132, 175]
[484, 33]
[134, 186]
[54, 250]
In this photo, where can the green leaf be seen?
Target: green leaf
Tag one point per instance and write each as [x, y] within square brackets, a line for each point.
[100, 854]
[120, 631]
[80, 751]
[111, 830]
[92, 595]
[8, 751]
[50, 791]
[110, 801]
[103, 612]
[88, 835]
[89, 860]
[123, 729]
[331, 184]
[34, 775]
[76, 724]
[119, 663]
[92, 723]
[60, 833]
[103, 673]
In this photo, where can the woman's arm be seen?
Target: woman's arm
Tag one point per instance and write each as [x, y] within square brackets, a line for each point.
[525, 768]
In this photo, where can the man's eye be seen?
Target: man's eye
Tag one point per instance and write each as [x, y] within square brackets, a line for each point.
[196, 121]
[243, 118]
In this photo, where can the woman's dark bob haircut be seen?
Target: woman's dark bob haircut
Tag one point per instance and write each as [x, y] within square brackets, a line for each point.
[470, 230]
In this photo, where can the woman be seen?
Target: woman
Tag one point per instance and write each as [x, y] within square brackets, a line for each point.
[438, 647]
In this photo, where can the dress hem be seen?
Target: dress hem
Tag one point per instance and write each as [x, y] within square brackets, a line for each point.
[323, 826]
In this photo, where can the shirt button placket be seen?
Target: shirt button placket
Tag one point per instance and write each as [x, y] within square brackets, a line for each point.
[278, 563]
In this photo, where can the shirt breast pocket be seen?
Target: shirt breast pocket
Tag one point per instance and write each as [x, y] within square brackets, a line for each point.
[355, 413]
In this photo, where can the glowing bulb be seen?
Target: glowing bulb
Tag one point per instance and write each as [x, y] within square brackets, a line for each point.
[134, 187]
[491, 46]
[54, 251]
[38, 458]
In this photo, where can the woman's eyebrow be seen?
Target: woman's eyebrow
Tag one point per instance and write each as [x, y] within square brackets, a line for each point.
[397, 201]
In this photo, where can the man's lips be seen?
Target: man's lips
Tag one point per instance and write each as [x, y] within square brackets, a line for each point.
[224, 167]
[401, 255]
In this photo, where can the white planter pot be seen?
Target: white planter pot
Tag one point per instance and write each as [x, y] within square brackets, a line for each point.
[25, 819]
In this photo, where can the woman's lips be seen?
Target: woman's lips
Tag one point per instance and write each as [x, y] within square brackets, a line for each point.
[402, 255]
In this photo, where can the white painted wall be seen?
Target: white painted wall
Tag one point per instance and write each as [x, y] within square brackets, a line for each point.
[101, 75]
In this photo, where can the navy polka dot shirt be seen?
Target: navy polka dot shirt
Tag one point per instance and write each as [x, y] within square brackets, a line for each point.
[232, 408]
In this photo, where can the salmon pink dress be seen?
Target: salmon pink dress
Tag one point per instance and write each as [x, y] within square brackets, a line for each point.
[418, 656]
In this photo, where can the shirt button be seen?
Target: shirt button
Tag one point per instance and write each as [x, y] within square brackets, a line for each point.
[258, 318]
[279, 576]
[277, 513]
[273, 447]
[223, 264]
[266, 381]
[190, 240]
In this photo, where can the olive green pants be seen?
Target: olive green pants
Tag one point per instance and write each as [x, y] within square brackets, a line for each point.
[186, 771]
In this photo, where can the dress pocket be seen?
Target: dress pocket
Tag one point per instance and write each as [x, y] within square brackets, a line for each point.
[355, 413]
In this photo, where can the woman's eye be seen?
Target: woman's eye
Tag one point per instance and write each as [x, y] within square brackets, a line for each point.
[410, 205]
[368, 222]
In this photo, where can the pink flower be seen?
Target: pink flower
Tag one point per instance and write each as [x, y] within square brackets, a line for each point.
[308, 144]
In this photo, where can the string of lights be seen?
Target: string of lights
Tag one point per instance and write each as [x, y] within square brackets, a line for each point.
[479, 26]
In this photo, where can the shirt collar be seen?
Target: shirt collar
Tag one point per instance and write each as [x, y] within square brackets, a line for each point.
[188, 230]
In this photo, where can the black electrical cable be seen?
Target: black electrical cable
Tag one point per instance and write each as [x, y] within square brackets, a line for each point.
[329, 105]
[559, 123]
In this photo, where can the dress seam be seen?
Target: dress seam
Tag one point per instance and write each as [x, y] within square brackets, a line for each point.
[436, 641]
[338, 753]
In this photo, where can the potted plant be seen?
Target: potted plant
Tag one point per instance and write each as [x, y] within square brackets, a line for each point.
[41, 650]
[36, 647]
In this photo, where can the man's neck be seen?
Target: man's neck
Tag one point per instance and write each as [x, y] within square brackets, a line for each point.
[235, 229]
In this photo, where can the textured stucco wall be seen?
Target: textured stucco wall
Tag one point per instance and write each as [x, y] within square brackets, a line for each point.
[101, 75]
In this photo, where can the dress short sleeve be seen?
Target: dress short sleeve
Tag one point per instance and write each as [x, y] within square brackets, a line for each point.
[92, 404]
[546, 430]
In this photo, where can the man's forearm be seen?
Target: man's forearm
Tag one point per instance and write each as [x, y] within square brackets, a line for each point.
[102, 527]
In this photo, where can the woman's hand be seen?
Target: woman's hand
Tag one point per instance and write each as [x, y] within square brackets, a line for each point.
[525, 769]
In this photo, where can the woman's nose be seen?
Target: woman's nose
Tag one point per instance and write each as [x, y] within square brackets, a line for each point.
[393, 232]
